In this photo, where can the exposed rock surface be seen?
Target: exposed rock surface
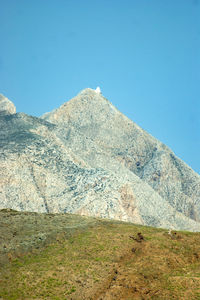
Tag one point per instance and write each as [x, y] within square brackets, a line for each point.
[88, 158]
[6, 106]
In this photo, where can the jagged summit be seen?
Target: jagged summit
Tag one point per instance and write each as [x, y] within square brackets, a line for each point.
[86, 108]
[6, 106]
[86, 157]
[95, 130]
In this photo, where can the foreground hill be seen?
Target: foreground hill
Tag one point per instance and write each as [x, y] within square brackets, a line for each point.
[64, 256]
[88, 158]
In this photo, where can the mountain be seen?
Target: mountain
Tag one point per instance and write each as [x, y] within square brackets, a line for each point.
[86, 157]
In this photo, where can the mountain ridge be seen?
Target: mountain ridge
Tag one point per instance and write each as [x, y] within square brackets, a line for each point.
[86, 157]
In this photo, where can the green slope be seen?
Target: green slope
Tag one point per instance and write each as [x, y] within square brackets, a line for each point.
[46, 256]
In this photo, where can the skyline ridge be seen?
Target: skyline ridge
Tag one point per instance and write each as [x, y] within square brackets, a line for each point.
[87, 157]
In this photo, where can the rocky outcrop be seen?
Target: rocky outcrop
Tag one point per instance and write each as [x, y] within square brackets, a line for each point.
[6, 106]
[87, 158]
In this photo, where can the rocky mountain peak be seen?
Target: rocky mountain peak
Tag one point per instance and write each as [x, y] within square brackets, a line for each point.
[6, 106]
[88, 91]
[90, 159]
[87, 107]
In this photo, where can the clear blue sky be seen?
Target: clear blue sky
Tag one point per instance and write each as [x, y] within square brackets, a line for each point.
[144, 54]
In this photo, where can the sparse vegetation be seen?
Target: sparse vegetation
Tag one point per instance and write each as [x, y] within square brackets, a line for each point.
[103, 260]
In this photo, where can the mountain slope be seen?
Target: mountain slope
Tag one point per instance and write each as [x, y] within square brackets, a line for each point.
[65, 256]
[87, 158]
[115, 142]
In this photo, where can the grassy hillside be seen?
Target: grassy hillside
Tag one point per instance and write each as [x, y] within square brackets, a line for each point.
[72, 257]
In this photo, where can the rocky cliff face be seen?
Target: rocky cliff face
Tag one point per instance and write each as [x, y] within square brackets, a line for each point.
[87, 158]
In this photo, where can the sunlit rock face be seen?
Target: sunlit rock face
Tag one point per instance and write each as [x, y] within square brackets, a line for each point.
[86, 157]
[6, 106]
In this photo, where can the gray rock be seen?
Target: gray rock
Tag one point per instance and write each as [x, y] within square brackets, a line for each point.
[88, 158]
[6, 106]
[112, 141]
